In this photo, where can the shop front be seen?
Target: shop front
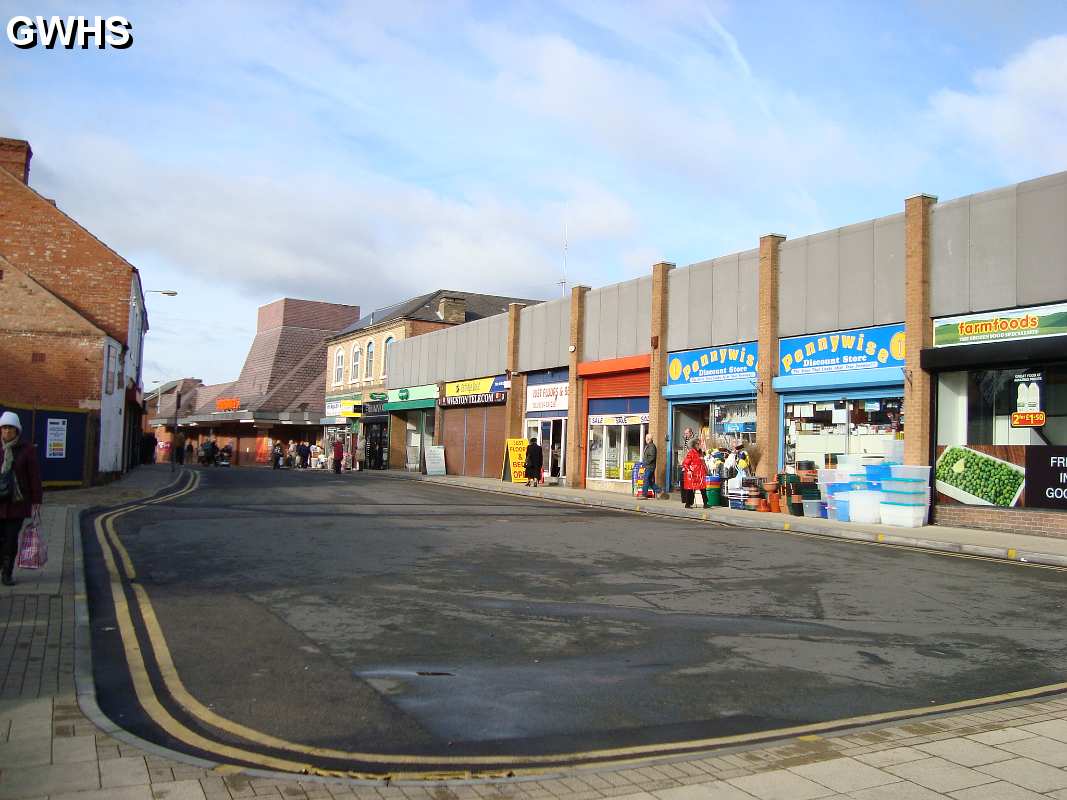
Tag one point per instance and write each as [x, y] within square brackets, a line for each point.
[1001, 419]
[841, 393]
[410, 428]
[711, 393]
[616, 418]
[547, 394]
[341, 423]
[374, 432]
[474, 426]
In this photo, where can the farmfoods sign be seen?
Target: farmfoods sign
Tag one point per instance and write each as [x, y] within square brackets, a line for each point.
[1021, 323]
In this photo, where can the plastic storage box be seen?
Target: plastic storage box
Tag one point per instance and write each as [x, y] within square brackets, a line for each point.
[813, 508]
[911, 473]
[905, 515]
[909, 496]
[877, 473]
[863, 507]
[905, 485]
[841, 508]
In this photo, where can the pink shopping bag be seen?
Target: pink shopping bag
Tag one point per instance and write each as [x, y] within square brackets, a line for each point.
[33, 552]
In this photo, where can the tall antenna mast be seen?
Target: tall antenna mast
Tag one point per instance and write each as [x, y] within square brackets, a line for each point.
[563, 282]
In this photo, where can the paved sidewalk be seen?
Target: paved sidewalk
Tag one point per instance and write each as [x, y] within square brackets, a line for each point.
[1048, 550]
[50, 749]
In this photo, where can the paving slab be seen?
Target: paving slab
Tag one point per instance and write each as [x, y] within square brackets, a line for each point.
[939, 775]
[1028, 773]
[844, 774]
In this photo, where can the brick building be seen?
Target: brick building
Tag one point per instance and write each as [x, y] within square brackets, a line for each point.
[72, 326]
[356, 395]
[279, 393]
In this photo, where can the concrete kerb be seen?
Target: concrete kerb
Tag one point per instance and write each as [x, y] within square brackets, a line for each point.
[764, 522]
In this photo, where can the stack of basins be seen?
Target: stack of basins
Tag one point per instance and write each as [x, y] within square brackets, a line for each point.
[713, 485]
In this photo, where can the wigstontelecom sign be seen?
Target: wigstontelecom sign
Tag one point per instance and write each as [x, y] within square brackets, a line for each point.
[999, 326]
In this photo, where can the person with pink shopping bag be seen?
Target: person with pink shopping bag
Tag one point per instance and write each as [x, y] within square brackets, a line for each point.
[21, 495]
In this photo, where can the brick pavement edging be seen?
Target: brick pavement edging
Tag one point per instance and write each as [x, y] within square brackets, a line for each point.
[1019, 742]
[776, 523]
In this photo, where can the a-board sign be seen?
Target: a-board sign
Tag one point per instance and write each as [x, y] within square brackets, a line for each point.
[517, 460]
[56, 443]
[435, 460]
[1046, 477]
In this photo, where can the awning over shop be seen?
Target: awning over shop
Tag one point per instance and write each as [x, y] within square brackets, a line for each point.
[881, 376]
[711, 389]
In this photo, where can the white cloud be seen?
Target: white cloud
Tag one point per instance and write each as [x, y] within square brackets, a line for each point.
[1017, 113]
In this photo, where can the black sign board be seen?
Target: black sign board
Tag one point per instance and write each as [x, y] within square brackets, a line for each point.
[483, 399]
[1046, 477]
[373, 408]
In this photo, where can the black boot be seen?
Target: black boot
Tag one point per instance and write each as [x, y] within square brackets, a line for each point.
[6, 569]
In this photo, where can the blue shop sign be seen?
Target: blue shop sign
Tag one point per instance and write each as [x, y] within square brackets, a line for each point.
[712, 364]
[841, 351]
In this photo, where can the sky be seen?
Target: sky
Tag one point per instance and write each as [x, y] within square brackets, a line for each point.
[368, 152]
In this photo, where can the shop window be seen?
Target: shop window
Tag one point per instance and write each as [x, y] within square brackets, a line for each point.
[990, 422]
[369, 373]
[819, 431]
[339, 366]
[614, 449]
[354, 372]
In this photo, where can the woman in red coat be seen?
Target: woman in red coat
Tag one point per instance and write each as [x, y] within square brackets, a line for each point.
[20, 491]
[694, 475]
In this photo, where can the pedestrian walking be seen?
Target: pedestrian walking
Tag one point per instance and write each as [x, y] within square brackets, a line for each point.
[189, 452]
[694, 475]
[338, 455]
[21, 493]
[305, 454]
[178, 448]
[649, 456]
[276, 456]
[535, 462]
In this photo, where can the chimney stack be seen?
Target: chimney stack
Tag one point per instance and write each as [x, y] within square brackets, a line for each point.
[15, 155]
[452, 309]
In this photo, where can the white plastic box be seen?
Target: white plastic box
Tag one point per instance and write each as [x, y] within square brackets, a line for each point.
[863, 507]
[910, 472]
[904, 515]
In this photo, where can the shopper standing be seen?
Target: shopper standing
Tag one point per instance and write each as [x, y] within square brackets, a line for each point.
[178, 448]
[338, 455]
[21, 493]
[649, 456]
[535, 462]
[694, 475]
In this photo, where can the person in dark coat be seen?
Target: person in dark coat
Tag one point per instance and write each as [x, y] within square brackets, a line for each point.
[338, 455]
[535, 462]
[21, 493]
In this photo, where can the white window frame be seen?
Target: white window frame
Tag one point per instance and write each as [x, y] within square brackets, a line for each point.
[368, 369]
[385, 352]
[339, 366]
[354, 369]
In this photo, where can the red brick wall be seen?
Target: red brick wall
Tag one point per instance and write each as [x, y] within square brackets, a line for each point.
[69, 374]
[64, 258]
[417, 327]
[15, 155]
[1034, 522]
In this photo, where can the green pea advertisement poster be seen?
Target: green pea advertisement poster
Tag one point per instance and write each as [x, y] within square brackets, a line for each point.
[1007, 476]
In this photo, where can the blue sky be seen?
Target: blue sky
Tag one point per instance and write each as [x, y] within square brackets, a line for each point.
[367, 152]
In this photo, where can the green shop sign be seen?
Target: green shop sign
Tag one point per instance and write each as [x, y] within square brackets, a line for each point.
[999, 326]
[427, 392]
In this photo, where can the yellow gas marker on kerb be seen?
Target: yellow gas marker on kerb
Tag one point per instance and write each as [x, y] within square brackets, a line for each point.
[108, 538]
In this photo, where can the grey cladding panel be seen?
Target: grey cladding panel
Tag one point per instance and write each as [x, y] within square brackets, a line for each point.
[530, 325]
[678, 308]
[1041, 253]
[591, 326]
[558, 326]
[993, 276]
[627, 332]
[792, 280]
[823, 283]
[726, 291]
[888, 271]
[748, 296]
[856, 257]
[498, 344]
[643, 323]
[609, 322]
[950, 285]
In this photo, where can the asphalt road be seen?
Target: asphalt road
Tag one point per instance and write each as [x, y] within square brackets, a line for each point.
[374, 614]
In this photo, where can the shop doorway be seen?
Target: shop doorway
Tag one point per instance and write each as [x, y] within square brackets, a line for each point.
[375, 445]
[552, 436]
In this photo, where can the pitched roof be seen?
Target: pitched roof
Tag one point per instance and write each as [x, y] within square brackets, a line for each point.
[424, 307]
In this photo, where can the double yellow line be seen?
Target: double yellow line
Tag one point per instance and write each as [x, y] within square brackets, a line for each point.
[122, 573]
